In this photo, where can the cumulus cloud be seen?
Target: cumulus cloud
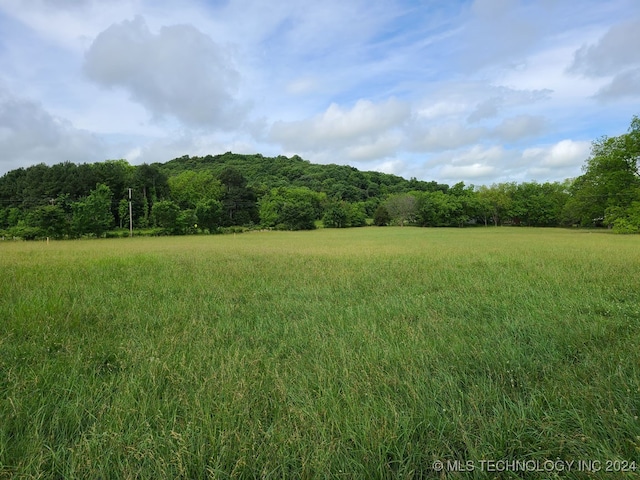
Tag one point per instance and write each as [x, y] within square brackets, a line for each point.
[338, 127]
[488, 164]
[499, 31]
[486, 109]
[615, 51]
[301, 86]
[185, 142]
[565, 153]
[475, 164]
[54, 4]
[30, 135]
[179, 71]
[69, 23]
[519, 127]
[437, 110]
[468, 82]
[568, 153]
[503, 98]
[481, 164]
[625, 84]
[433, 138]
[614, 55]
[381, 147]
[474, 171]
[393, 166]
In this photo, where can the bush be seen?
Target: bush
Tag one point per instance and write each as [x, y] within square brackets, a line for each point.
[624, 225]
[336, 215]
[25, 233]
[116, 234]
[233, 229]
[624, 220]
[381, 216]
[357, 215]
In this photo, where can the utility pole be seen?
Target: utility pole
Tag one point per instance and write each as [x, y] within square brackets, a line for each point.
[130, 216]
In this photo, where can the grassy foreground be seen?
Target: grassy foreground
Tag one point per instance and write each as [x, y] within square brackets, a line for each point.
[363, 353]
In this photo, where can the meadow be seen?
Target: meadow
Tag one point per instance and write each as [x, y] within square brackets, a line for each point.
[359, 353]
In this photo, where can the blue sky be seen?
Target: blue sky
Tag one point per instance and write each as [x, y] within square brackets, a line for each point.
[478, 91]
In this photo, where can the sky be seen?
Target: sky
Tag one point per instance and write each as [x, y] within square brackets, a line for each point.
[479, 91]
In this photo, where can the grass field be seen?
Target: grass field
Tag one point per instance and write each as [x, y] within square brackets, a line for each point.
[361, 353]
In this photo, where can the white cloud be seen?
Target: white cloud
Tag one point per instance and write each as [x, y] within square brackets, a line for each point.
[433, 138]
[522, 126]
[615, 51]
[468, 172]
[185, 142]
[179, 72]
[623, 85]
[565, 153]
[614, 56]
[393, 166]
[381, 147]
[504, 98]
[301, 86]
[486, 89]
[498, 32]
[30, 135]
[486, 109]
[485, 165]
[69, 23]
[479, 153]
[546, 69]
[442, 109]
[476, 164]
[339, 127]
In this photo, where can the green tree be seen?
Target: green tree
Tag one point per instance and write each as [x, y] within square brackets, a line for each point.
[149, 185]
[535, 204]
[190, 188]
[209, 214]
[624, 220]
[118, 176]
[336, 215]
[341, 214]
[402, 208]
[611, 181]
[123, 213]
[187, 221]
[297, 214]
[381, 216]
[290, 208]
[496, 201]
[357, 215]
[12, 186]
[437, 209]
[4, 214]
[93, 214]
[34, 187]
[165, 215]
[14, 215]
[238, 200]
[50, 219]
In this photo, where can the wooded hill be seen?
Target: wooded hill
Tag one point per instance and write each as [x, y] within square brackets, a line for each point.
[213, 193]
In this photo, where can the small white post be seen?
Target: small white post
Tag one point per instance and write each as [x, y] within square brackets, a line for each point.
[130, 217]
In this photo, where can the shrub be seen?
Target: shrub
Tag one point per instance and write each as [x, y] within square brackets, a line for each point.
[25, 233]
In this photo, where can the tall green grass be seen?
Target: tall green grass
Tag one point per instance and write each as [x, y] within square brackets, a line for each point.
[364, 353]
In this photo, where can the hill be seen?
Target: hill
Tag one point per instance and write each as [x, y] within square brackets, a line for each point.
[210, 193]
[337, 181]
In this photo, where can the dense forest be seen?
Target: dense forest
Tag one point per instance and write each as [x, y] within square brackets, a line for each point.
[232, 192]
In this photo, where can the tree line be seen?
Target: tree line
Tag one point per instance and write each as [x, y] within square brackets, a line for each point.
[219, 193]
